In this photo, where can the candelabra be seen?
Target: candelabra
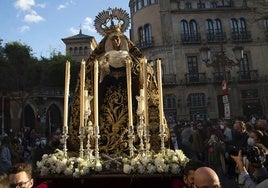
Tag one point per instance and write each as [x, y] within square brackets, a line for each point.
[131, 140]
[81, 137]
[96, 136]
[65, 137]
[140, 131]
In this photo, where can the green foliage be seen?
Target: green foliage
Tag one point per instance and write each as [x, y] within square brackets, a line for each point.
[20, 71]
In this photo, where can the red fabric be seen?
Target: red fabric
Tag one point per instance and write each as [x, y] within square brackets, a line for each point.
[178, 183]
[42, 185]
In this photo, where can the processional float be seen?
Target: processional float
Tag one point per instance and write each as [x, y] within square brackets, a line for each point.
[119, 86]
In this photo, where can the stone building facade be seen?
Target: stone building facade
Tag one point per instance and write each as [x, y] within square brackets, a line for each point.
[176, 31]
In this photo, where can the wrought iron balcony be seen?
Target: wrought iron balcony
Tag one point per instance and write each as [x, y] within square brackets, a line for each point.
[241, 36]
[191, 38]
[196, 78]
[142, 44]
[169, 79]
[246, 76]
[215, 37]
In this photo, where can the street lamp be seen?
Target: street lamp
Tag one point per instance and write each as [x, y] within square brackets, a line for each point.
[220, 60]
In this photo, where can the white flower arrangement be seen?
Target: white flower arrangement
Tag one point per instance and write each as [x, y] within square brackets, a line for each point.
[170, 162]
[57, 164]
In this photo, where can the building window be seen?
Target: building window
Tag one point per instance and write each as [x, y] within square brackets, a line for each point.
[75, 51]
[152, 2]
[139, 6]
[197, 106]
[71, 50]
[201, 5]
[188, 5]
[213, 4]
[145, 3]
[86, 50]
[266, 25]
[170, 101]
[184, 27]
[193, 74]
[80, 52]
[148, 33]
[140, 34]
[214, 30]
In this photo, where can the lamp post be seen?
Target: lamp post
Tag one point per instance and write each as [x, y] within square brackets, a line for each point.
[221, 61]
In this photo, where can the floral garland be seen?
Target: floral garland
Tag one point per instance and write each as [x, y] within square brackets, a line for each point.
[57, 164]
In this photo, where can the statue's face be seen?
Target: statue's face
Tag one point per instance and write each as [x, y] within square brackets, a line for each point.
[116, 41]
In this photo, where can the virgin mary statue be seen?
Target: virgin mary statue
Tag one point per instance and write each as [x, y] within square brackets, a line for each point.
[111, 54]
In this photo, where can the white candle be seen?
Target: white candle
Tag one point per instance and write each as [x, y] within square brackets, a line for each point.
[145, 92]
[129, 93]
[82, 93]
[159, 81]
[66, 94]
[96, 96]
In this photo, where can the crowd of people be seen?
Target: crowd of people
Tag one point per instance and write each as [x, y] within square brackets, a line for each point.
[233, 149]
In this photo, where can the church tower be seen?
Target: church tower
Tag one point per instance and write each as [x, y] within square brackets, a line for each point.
[79, 46]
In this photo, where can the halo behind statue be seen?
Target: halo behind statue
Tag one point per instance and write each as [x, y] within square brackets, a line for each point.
[110, 20]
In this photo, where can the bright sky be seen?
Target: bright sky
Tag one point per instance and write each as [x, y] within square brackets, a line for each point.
[41, 24]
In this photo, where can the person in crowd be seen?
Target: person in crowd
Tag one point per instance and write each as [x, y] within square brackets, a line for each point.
[257, 177]
[206, 177]
[239, 141]
[216, 149]
[261, 125]
[186, 134]
[227, 132]
[4, 183]
[20, 175]
[187, 181]
[174, 140]
[198, 144]
[5, 155]
[16, 150]
[240, 135]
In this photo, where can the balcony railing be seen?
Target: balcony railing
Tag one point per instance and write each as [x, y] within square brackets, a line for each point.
[251, 75]
[192, 38]
[216, 37]
[169, 79]
[242, 36]
[48, 92]
[195, 78]
[145, 43]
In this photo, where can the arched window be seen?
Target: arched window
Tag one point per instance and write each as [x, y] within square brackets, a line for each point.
[209, 26]
[75, 51]
[147, 33]
[170, 101]
[86, 50]
[193, 30]
[218, 26]
[184, 27]
[80, 50]
[140, 34]
[242, 25]
[71, 50]
[234, 25]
